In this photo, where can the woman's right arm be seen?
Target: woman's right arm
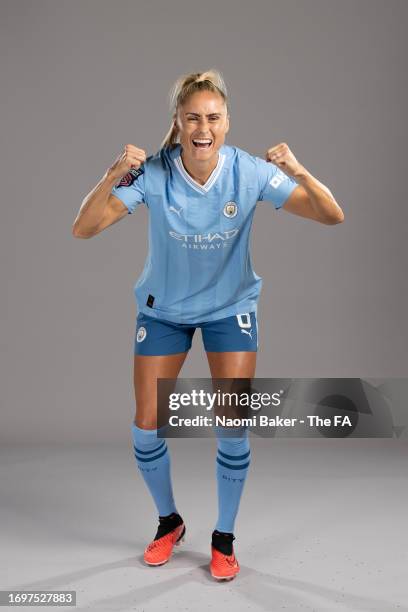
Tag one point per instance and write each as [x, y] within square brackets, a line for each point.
[100, 208]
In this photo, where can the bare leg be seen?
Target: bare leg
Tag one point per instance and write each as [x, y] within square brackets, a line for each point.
[147, 369]
[240, 364]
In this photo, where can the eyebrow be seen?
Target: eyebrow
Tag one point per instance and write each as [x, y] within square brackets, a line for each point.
[198, 115]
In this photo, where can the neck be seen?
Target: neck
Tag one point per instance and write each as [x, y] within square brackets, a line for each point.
[200, 170]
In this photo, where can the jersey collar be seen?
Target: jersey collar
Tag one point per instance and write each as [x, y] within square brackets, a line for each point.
[176, 157]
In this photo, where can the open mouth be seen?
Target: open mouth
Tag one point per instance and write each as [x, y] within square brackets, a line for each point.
[202, 143]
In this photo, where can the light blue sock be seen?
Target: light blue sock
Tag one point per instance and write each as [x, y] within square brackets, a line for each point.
[153, 460]
[233, 459]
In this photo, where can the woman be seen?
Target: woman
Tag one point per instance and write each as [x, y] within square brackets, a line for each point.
[201, 195]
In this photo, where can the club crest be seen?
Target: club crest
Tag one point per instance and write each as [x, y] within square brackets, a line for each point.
[130, 177]
[141, 334]
[230, 209]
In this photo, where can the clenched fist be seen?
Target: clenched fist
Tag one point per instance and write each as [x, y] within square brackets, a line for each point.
[131, 157]
[283, 157]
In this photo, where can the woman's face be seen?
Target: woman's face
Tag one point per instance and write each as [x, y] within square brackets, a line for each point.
[203, 116]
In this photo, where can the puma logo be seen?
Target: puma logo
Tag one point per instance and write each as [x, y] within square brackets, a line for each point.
[244, 331]
[178, 212]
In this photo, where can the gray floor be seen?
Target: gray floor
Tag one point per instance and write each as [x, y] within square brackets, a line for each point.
[322, 526]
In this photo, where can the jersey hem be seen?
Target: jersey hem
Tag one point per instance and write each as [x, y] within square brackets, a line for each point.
[239, 308]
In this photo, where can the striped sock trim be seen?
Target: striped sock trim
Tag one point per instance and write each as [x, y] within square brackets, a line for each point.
[232, 467]
[149, 452]
[154, 457]
[234, 457]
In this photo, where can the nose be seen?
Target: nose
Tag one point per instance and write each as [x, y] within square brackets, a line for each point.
[204, 123]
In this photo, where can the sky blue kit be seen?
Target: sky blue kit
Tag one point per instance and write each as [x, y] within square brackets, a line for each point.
[198, 273]
[198, 268]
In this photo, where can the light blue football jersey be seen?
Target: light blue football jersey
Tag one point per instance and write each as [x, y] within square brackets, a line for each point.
[198, 267]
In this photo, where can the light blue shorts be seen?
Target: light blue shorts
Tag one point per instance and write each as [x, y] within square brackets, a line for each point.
[157, 337]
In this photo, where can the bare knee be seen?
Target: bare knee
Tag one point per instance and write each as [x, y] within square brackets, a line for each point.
[145, 419]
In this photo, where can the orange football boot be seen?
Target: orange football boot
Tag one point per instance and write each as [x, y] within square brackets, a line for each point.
[159, 551]
[223, 567]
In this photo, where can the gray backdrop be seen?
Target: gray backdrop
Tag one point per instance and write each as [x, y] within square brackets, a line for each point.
[81, 79]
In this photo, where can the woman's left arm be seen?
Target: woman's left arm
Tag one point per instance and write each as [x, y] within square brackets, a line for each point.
[310, 199]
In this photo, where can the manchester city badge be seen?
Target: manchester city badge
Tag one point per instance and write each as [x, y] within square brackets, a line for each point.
[141, 334]
[230, 209]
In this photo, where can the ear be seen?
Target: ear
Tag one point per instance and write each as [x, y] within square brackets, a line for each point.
[228, 125]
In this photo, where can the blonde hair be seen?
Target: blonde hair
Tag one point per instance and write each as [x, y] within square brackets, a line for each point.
[185, 86]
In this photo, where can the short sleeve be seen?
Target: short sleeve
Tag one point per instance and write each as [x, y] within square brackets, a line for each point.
[274, 185]
[131, 189]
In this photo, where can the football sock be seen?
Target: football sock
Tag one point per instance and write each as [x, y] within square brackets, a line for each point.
[153, 461]
[233, 459]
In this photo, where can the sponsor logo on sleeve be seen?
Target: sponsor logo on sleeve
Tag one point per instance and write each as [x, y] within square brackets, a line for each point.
[277, 178]
[130, 177]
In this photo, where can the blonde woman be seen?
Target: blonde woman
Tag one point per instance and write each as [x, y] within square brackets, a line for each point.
[201, 195]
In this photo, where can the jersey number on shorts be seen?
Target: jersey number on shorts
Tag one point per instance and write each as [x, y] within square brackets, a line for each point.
[244, 323]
